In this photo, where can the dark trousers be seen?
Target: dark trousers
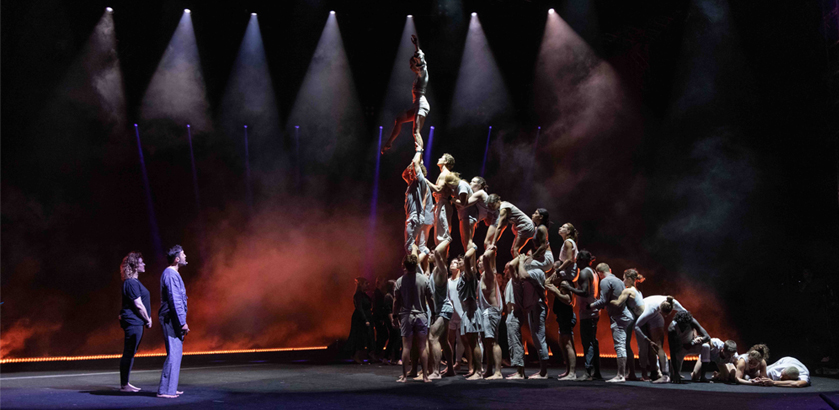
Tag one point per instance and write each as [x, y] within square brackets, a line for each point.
[394, 344]
[382, 334]
[588, 334]
[133, 335]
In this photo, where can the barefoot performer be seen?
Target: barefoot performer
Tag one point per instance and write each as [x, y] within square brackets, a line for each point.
[420, 109]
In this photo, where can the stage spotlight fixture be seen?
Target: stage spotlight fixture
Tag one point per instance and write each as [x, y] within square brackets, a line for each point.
[253, 14]
[109, 10]
[332, 12]
[187, 11]
[410, 16]
[551, 11]
[474, 14]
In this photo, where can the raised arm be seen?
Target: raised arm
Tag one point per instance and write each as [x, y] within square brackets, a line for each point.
[440, 271]
[503, 215]
[469, 263]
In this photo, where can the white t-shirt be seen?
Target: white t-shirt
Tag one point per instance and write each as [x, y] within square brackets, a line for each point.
[774, 370]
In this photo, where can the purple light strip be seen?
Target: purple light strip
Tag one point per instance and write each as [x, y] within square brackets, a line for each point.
[371, 229]
[155, 232]
[427, 158]
[486, 151]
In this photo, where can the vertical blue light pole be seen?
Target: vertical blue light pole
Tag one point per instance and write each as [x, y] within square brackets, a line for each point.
[427, 157]
[371, 228]
[249, 193]
[155, 232]
[486, 151]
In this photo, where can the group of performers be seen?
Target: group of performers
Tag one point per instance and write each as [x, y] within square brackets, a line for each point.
[438, 302]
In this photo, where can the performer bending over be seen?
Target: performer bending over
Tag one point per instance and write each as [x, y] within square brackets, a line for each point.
[610, 289]
[491, 303]
[413, 297]
[472, 321]
[786, 372]
[587, 290]
[655, 309]
[420, 109]
[686, 336]
[522, 226]
[724, 356]
[414, 196]
[440, 323]
[466, 215]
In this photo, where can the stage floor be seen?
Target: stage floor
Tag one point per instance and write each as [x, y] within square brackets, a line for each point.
[254, 384]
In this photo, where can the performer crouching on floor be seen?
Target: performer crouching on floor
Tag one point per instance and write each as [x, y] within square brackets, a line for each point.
[686, 336]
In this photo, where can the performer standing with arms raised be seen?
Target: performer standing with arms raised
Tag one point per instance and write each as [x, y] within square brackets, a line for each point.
[420, 109]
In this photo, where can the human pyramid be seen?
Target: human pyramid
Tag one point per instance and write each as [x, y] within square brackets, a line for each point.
[466, 297]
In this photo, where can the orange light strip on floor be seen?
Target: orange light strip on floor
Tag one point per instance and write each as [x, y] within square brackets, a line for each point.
[117, 356]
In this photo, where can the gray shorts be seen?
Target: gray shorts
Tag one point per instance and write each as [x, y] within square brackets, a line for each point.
[421, 106]
[492, 319]
[446, 311]
[413, 323]
[472, 320]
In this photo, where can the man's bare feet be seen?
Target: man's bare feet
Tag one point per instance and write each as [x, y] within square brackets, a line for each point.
[569, 377]
[496, 376]
[561, 375]
[402, 379]
[516, 376]
[475, 376]
[426, 380]
[616, 379]
[418, 378]
[661, 380]
[538, 376]
[167, 396]
[435, 376]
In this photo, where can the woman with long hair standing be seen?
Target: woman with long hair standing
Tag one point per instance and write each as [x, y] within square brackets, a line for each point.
[133, 315]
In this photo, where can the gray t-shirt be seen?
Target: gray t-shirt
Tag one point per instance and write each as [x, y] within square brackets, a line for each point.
[610, 289]
[413, 196]
[412, 287]
[517, 219]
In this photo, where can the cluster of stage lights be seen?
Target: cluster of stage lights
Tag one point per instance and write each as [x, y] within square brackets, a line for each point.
[187, 11]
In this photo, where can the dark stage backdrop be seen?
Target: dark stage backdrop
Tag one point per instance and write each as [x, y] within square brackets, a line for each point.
[693, 140]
